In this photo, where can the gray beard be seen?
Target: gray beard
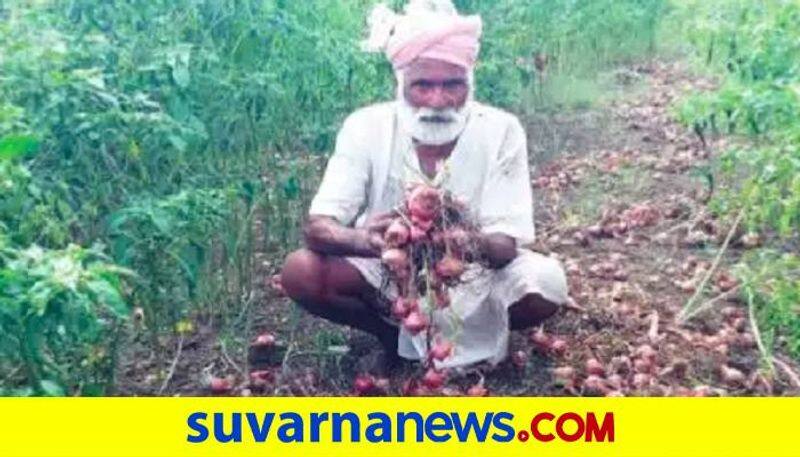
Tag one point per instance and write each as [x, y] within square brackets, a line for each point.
[417, 123]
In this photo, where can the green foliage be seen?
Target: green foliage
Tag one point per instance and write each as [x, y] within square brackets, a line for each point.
[167, 242]
[59, 310]
[772, 283]
[578, 38]
[755, 48]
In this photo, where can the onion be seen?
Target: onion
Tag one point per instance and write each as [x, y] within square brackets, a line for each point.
[424, 203]
[264, 340]
[594, 367]
[594, 385]
[396, 234]
[647, 352]
[433, 379]
[615, 381]
[395, 259]
[558, 346]
[564, 376]
[364, 384]
[642, 380]
[260, 378]
[457, 238]
[732, 376]
[418, 233]
[541, 340]
[441, 350]
[449, 267]
[220, 385]
[402, 306]
[415, 322]
[643, 366]
[382, 384]
[702, 391]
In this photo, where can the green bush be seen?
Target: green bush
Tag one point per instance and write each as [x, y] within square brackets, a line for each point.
[755, 48]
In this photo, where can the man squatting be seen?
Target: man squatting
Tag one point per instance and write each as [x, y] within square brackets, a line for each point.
[433, 125]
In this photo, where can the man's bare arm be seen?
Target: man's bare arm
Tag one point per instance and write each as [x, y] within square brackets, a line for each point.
[326, 235]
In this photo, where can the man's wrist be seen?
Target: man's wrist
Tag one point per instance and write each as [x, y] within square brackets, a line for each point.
[363, 244]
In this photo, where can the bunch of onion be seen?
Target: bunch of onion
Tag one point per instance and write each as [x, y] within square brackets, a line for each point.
[429, 244]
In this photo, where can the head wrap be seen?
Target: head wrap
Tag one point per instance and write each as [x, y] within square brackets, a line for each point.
[429, 29]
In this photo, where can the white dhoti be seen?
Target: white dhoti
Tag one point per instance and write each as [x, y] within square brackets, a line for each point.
[481, 331]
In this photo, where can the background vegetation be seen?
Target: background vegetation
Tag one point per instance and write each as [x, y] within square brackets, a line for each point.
[754, 49]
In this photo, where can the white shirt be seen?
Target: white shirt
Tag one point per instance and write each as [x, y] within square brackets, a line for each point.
[487, 169]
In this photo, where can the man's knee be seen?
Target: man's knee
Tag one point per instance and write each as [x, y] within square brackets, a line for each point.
[301, 276]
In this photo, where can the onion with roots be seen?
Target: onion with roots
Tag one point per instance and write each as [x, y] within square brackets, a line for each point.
[403, 306]
[441, 350]
[397, 234]
[434, 379]
[424, 203]
[395, 259]
[449, 268]
[427, 247]
[415, 322]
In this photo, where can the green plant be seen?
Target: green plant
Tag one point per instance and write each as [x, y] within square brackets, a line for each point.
[58, 311]
[755, 48]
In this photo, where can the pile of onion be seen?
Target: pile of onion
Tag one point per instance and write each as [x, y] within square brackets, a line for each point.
[428, 246]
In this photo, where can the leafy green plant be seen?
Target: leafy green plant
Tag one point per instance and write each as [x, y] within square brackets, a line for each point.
[58, 311]
[755, 48]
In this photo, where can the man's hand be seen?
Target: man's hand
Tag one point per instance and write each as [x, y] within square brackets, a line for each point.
[326, 235]
[374, 230]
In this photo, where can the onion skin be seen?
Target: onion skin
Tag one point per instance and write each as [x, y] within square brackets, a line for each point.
[449, 268]
[418, 234]
[264, 340]
[433, 379]
[220, 385]
[441, 350]
[395, 259]
[415, 322]
[424, 204]
[595, 368]
[403, 306]
[364, 384]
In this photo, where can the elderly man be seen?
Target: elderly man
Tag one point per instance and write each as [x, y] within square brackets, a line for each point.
[434, 130]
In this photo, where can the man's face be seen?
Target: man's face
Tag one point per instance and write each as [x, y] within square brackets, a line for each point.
[436, 85]
[435, 95]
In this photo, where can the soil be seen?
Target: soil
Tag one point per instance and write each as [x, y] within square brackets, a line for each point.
[622, 201]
